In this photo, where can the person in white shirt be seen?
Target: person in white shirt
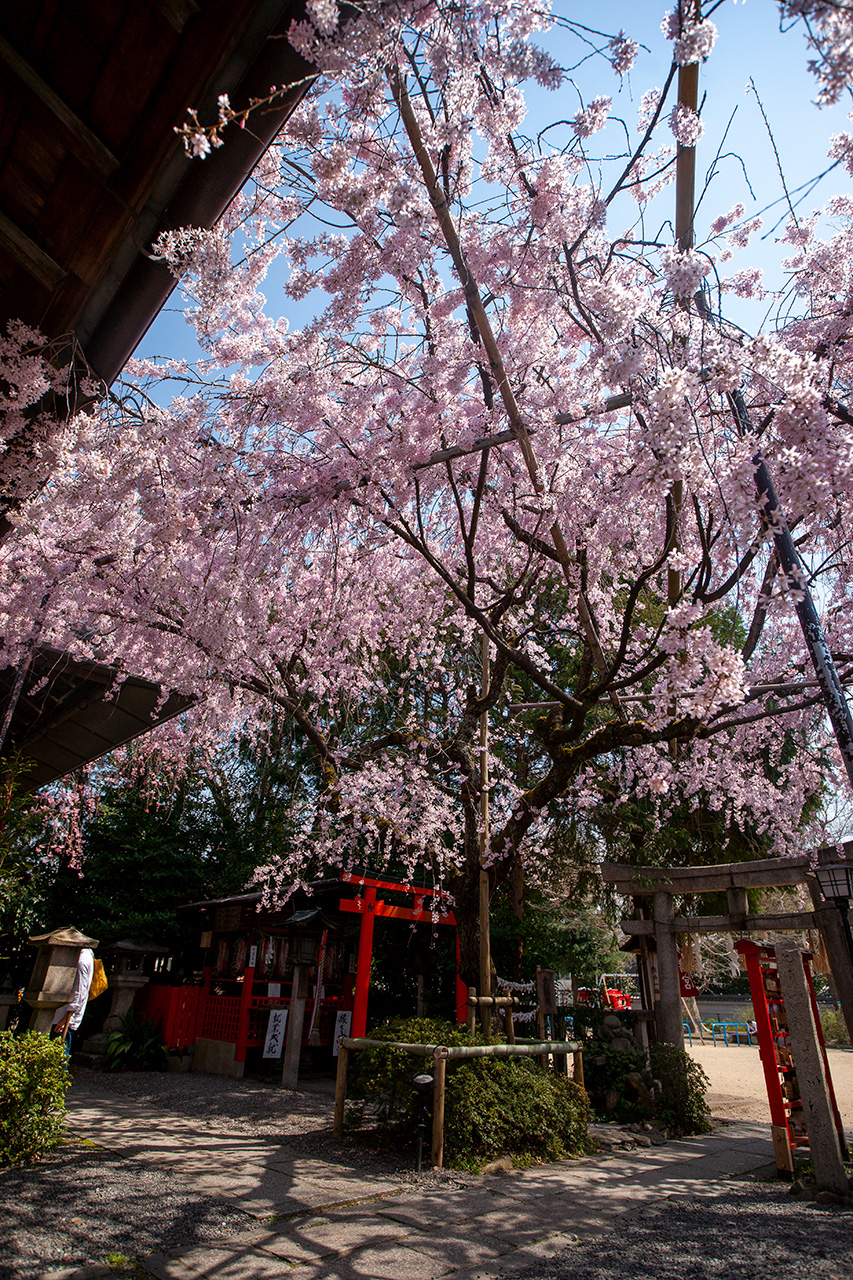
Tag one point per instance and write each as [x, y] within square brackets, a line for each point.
[68, 1017]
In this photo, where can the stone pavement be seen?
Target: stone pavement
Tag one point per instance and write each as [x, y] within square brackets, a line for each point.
[317, 1221]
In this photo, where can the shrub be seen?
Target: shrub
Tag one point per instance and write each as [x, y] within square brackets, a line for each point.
[498, 1106]
[680, 1101]
[834, 1027]
[384, 1076]
[136, 1046]
[493, 1106]
[605, 1069]
[33, 1081]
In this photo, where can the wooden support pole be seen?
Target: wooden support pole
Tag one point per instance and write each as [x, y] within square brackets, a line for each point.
[243, 1021]
[508, 1019]
[829, 922]
[461, 989]
[668, 1019]
[472, 1009]
[485, 927]
[439, 1072]
[340, 1091]
[295, 1021]
[577, 1068]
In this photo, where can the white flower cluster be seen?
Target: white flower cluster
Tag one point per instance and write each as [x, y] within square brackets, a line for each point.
[684, 271]
[691, 41]
[622, 52]
[593, 118]
[324, 14]
[685, 124]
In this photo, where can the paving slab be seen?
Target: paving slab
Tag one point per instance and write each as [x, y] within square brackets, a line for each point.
[452, 1251]
[264, 1196]
[439, 1209]
[325, 1235]
[162, 1268]
[224, 1262]
[386, 1262]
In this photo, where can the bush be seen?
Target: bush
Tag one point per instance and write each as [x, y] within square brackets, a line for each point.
[384, 1076]
[605, 1069]
[510, 1106]
[493, 1106]
[834, 1027]
[680, 1101]
[33, 1081]
[136, 1046]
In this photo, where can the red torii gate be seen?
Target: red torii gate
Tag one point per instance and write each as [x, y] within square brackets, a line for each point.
[368, 906]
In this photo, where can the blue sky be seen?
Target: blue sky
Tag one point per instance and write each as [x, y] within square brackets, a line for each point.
[750, 46]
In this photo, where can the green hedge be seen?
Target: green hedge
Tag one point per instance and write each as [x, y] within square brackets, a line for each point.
[33, 1081]
[493, 1106]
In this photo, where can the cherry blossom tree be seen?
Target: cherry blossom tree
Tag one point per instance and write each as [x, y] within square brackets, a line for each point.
[506, 429]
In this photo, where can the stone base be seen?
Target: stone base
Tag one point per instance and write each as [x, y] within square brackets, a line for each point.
[96, 1044]
[216, 1057]
[181, 1060]
[93, 1061]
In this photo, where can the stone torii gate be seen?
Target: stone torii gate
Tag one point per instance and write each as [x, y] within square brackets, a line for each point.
[656, 931]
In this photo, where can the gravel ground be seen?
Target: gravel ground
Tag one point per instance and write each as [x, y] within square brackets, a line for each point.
[237, 1106]
[752, 1231]
[82, 1203]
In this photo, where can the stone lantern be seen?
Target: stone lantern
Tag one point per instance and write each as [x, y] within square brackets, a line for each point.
[52, 980]
[124, 982]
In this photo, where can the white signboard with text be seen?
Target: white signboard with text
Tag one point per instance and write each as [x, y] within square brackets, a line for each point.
[274, 1042]
[343, 1023]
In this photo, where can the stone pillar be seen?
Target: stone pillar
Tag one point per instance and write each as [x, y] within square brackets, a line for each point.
[669, 1023]
[52, 980]
[818, 1113]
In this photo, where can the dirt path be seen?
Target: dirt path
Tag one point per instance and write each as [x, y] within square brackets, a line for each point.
[737, 1081]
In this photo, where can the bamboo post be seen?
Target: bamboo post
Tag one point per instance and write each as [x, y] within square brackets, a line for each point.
[439, 1072]
[340, 1091]
[577, 1068]
[472, 1009]
[510, 1025]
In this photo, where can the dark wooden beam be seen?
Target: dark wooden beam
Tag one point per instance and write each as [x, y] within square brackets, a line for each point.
[90, 149]
[794, 922]
[177, 12]
[734, 875]
[29, 255]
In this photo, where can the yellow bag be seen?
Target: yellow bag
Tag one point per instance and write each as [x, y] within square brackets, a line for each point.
[99, 980]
